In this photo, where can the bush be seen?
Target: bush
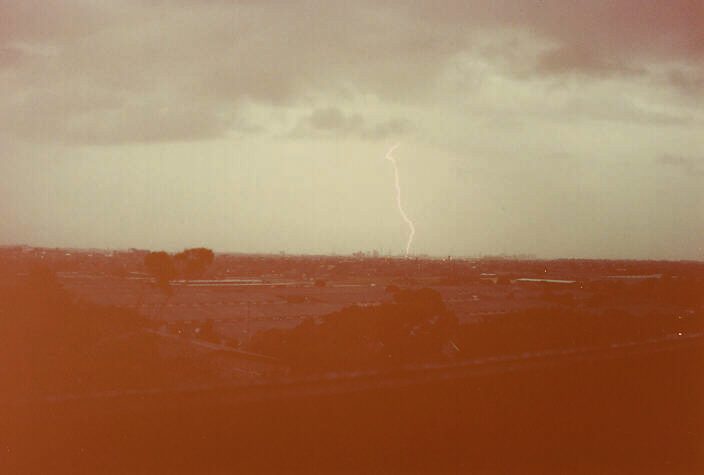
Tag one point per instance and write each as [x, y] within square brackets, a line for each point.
[413, 329]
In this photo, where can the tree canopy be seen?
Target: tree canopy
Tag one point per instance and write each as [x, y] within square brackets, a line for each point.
[192, 263]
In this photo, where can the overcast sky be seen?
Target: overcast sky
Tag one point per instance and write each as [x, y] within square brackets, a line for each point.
[558, 128]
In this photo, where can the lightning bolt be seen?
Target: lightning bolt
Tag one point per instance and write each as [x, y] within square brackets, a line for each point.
[411, 227]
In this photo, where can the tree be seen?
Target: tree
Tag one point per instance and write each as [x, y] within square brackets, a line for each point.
[192, 263]
[161, 266]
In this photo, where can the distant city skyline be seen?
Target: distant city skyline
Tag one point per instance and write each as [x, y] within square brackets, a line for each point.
[550, 128]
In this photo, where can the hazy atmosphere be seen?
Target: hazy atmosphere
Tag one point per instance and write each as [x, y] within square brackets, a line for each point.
[553, 128]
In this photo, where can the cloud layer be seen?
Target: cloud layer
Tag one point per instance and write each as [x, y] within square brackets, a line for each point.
[87, 72]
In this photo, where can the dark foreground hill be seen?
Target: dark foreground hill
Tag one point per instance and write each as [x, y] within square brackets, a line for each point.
[624, 411]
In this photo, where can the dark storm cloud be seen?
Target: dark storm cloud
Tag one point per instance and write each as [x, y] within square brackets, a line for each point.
[630, 29]
[691, 83]
[331, 121]
[208, 59]
[39, 21]
[566, 60]
[86, 72]
[594, 39]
